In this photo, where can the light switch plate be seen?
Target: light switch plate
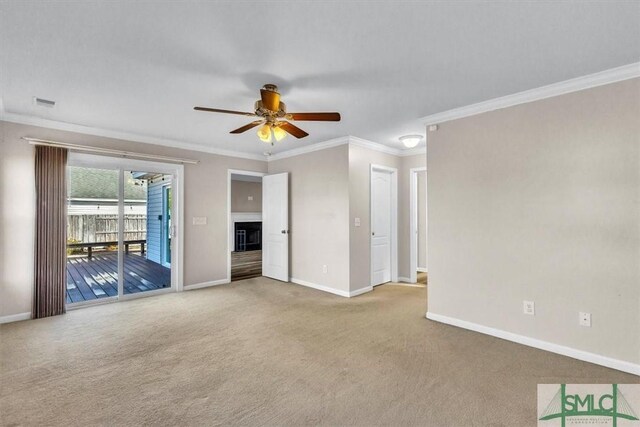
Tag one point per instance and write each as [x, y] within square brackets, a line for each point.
[199, 220]
[529, 307]
[250, 197]
[356, 222]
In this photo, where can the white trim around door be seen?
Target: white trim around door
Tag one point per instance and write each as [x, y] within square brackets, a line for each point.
[413, 223]
[393, 172]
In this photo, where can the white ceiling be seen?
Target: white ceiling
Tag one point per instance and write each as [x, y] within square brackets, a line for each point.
[141, 67]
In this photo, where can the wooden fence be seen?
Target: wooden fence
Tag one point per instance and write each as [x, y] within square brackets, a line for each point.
[104, 228]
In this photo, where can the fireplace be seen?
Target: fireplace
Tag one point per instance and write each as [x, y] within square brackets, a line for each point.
[248, 236]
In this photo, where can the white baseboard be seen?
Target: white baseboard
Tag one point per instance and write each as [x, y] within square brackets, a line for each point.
[15, 317]
[206, 284]
[332, 290]
[585, 356]
[407, 285]
[360, 291]
[421, 269]
[405, 280]
[320, 287]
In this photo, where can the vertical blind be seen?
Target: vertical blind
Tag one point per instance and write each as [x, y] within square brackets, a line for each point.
[51, 236]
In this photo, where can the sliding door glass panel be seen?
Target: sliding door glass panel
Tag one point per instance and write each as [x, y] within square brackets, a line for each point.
[92, 234]
[147, 226]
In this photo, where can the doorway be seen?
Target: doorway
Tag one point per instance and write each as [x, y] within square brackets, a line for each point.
[245, 225]
[384, 224]
[418, 225]
[258, 226]
[121, 229]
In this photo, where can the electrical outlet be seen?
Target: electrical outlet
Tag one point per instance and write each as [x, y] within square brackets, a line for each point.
[325, 269]
[250, 198]
[585, 319]
[529, 307]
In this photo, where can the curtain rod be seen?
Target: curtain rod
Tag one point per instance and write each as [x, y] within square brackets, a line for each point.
[118, 153]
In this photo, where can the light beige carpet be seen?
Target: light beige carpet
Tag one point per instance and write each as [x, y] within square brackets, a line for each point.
[260, 352]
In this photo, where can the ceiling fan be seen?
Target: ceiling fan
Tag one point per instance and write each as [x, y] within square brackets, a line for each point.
[274, 117]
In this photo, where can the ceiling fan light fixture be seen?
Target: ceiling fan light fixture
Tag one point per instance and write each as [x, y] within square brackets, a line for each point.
[264, 133]
[273, 118]
[278, 133]
[410, 141]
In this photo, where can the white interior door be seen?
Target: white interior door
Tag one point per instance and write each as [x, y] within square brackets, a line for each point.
[275, 226]
[380, 227]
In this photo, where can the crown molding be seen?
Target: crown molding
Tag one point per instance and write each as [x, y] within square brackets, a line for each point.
[413, 152]
[106, 133]
[573, 85]
[365, 143]
[601, 78]
[309, 148]
[351, 140]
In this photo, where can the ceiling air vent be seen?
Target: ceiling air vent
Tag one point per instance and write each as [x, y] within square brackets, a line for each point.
[43, 102]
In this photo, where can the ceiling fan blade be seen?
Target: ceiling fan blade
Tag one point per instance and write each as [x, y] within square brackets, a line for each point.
[270, 99]
[248, 126]
[293, 130]
[217, 110]
[315, 117]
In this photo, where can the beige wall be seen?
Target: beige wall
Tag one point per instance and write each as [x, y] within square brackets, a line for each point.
[240, 193]
[346, 169]
[422, 219]
[17, 225]
[328, 189]
[541, 202]
[319, 215]
[205, 258]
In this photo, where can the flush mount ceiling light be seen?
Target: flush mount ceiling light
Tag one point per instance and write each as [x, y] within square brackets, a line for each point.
[410, 141]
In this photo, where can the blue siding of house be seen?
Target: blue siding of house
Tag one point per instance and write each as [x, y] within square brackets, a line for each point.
[154, 225]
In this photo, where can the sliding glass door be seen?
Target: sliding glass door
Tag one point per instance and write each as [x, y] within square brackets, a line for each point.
[145, 244]
[119, 229]
[92, 234]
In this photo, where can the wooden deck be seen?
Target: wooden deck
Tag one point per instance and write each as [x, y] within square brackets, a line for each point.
[95, 278]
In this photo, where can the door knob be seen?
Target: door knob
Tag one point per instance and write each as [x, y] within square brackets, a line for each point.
[283, 231]
[373, 233]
